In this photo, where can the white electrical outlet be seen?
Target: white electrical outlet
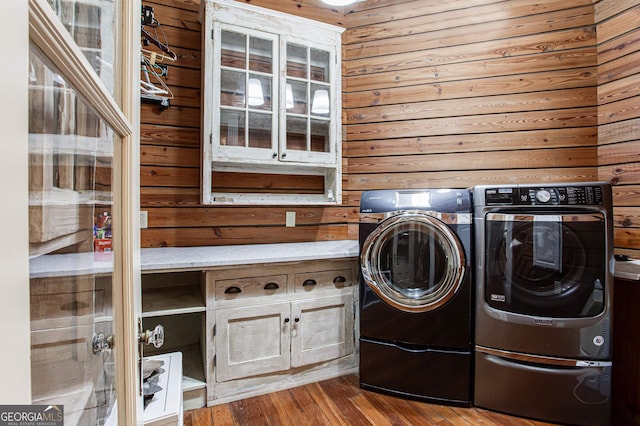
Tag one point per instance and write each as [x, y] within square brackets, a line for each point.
[291, 219]
[144, 219]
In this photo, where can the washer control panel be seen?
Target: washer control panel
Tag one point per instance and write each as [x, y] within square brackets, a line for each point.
[545, 195]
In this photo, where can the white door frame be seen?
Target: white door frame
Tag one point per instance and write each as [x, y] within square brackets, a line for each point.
[15, 366]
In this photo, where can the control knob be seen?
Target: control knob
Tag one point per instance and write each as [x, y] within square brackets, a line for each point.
[543, 196]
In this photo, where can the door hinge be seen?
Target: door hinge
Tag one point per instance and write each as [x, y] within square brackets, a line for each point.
[211, 138]
[214, 330]
[212, 33]
[215, 360]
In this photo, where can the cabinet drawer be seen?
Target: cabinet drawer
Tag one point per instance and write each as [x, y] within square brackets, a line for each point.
[250, 287]
[338, 278]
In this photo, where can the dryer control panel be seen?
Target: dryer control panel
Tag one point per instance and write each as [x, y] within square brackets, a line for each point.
[441, 200]
[591, 195]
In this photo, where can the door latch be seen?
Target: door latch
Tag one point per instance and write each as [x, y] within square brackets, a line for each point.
[101, 343]
[153, 337]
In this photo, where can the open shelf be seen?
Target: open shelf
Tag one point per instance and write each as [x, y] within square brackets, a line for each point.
[184, 299]
[172, 293]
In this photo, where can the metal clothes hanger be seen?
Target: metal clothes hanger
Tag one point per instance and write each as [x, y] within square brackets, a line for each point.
[152, 87]
[149, 91]
[146, 35]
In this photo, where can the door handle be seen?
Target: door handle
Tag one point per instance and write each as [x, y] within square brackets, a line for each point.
[101, 343]
[155, 337]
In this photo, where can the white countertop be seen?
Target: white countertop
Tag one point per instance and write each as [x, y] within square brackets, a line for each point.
[203, 257]
[175, 258]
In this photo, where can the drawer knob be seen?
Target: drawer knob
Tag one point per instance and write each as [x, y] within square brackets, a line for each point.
[232, 290]
[339, 279]
[309, 283]
[271, 286]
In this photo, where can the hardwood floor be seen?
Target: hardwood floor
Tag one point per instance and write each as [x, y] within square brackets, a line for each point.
[341, 401]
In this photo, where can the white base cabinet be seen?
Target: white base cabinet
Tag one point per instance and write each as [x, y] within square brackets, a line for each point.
[280, 325]
[251, 329]
[264, 339]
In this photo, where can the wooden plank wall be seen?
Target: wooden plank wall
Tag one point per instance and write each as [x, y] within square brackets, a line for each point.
[459, 93]
[170, 154]
[618, 29]
[436, 94]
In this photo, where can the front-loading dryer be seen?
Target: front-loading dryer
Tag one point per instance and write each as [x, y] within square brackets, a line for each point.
[544, 284]
[416, 294]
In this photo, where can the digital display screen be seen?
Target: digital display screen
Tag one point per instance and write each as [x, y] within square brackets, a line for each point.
[407, 199]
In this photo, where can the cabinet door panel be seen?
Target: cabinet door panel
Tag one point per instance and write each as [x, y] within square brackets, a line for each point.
[251, 341]
[322, 329]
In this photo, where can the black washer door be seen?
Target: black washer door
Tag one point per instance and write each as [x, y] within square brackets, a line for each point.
[413, 261]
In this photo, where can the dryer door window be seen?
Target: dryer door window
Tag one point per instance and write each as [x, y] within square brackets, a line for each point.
[414, 262]
[550, 265]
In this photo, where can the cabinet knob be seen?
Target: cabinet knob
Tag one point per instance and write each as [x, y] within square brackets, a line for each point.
[284, 154]
[232, 290]
[271, 286]
[274, 155]
[339, 279]
[286, 320]
[309, 283]
[297, 320]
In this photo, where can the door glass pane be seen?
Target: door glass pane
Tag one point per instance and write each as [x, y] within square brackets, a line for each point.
[70, 208]
[414, 260]
[260, 55]
[297, 133]
[233, 52]
[296, 97]
[296, 61]
[321, 101]
[91, 25]
[260, 130]
[232, 128]
[232, 88]
[320, 136]
[259, 92]
[550, 265]
[320, 65]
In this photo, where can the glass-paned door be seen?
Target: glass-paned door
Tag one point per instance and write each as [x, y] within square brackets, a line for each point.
[247, 96]
[82, 256]
[308, 103]
[70, 240]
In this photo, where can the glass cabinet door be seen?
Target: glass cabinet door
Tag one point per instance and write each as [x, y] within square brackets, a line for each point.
[70, 207]
[308, 103]
[248, 82]
[83, 245]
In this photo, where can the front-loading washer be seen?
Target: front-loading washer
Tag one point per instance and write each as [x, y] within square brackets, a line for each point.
[544, 284]
[416, 294]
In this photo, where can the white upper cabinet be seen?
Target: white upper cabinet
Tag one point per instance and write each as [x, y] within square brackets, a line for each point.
[271, 100]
